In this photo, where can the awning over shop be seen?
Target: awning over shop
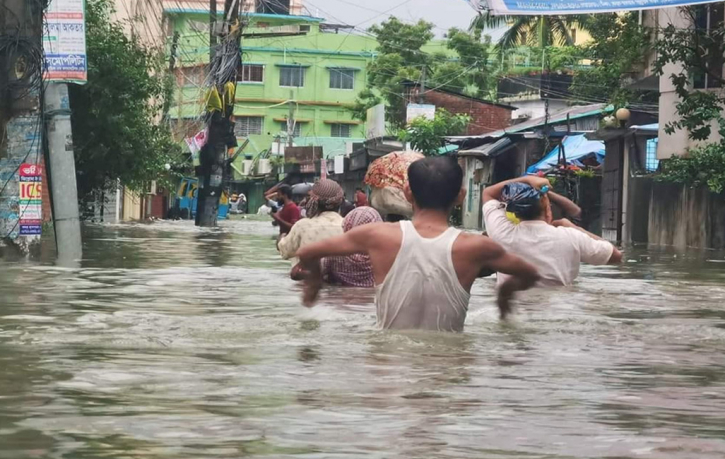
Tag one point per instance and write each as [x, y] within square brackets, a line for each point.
[576, 149]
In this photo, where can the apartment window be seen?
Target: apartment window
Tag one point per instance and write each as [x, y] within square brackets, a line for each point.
[248, 125]
[572, 32]
[340, 130]
[709, 18]
[298, 128]
[292, 76]
[251, 73]
[342, 78]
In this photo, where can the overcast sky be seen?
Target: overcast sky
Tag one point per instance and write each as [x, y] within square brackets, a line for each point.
[364, 13]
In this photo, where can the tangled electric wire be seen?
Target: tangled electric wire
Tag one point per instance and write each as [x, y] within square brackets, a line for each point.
[24, 58]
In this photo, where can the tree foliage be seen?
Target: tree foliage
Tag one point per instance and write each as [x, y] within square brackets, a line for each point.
[539, 31]
[114, 115]
[428, 136]
[618, 48]
[463, 69]
[704, 166]
[698, 53]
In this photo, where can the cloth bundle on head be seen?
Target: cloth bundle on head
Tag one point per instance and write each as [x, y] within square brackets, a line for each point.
[521, 197]
[352, 270]
[326, 195]
[360, 216]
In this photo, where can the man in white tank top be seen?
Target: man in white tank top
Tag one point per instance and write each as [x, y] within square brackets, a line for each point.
[423, 269]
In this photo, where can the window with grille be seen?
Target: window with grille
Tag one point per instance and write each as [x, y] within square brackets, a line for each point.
[340, 130]
[298, 128]
[251, 73]
[292, 76]
[248, 125]
[342, 79]
[708, 24]
[651, 163]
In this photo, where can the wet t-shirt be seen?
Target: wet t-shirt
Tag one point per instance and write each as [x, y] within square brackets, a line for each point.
[556, 252]
[289, 213]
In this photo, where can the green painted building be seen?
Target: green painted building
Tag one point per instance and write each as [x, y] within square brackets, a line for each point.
[291, 64]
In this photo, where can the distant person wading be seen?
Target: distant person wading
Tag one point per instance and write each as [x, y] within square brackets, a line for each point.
[323, 221]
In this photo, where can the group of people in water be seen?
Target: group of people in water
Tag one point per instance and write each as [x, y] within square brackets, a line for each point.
[423, 269]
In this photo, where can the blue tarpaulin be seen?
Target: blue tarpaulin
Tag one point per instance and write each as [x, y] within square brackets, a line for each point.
[557, 7]
[576, 148]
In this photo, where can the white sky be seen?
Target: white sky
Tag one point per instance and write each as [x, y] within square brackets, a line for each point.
[364, 13]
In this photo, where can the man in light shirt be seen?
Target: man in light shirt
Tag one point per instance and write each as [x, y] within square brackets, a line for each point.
[555, 248]
[322, 222]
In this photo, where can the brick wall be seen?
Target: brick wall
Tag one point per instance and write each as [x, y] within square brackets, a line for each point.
[484, 117]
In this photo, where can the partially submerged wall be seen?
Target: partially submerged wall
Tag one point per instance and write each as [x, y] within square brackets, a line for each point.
[686, 217]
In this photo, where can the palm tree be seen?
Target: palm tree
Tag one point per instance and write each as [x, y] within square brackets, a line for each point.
[538, 31]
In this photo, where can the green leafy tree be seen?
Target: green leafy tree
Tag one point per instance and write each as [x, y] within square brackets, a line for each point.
[538, 31]
[698, 79]
[617, 49]
[114, 115]
[704, 166]
[428, 136]
[698, 53]
[402, 60]
[472, 49]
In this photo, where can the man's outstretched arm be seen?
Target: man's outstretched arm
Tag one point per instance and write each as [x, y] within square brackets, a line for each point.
[566, 205]
[523, 275]
[354, 241]
[616, 257]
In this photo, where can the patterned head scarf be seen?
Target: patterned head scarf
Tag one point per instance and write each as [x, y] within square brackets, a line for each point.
[352, 270]
[325, 195]
[361, 216]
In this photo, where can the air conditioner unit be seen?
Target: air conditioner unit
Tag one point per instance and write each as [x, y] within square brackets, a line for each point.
[278, 148]
[247, 167]
[264, 167]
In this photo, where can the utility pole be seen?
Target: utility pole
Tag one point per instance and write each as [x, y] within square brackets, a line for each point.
[221, 138]
[291, 120]
[63, 169]
[172, 68]
[212, 31]
[421, 96]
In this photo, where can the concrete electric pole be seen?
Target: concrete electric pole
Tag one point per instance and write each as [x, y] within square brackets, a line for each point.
[226, 59]
[63, 169]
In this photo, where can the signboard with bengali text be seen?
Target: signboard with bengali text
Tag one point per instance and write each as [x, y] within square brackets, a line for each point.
[557, 7]
[30, 199]
[64, 42]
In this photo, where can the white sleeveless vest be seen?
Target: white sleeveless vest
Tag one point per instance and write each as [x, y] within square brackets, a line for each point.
[422, 290]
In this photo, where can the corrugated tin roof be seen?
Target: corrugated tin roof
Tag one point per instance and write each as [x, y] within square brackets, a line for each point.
[489, 149]
[576, 112]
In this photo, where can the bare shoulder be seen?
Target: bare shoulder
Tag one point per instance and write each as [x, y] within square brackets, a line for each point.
[374, 231]
[479, 246]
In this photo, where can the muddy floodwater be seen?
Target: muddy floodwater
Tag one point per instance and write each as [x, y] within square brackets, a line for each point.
[172, 342]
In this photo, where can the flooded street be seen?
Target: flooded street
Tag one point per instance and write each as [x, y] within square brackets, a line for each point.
[172, 342]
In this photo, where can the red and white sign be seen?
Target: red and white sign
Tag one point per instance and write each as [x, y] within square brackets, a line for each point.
[31, 199]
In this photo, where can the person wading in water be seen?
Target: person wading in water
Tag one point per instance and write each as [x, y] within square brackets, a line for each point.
[423, 268]
[556, 248]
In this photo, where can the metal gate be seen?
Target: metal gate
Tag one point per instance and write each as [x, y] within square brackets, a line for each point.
[612, 184]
